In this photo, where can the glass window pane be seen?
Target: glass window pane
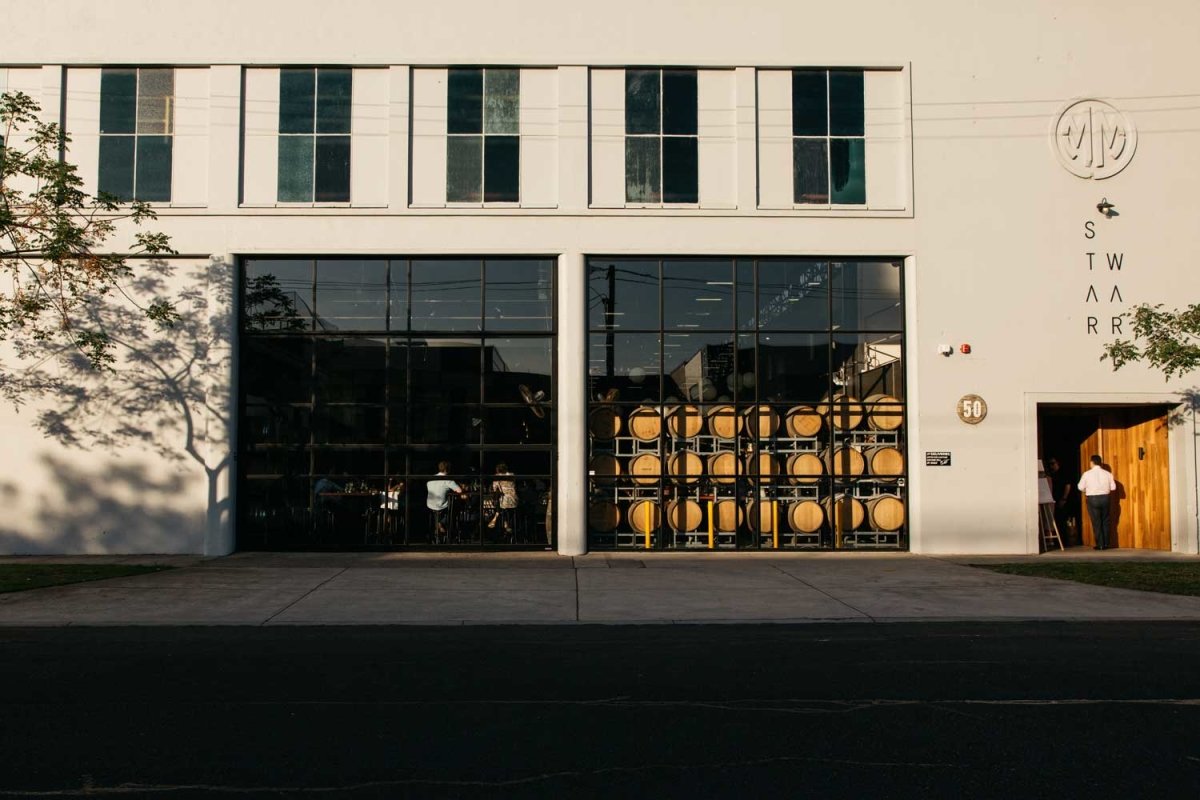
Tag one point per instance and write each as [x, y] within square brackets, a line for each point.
[867, 296]
[793, 367]
[626, 367]
[331, 177]
[464, 169]
[518, 295]
[513, 425]
[679, 170]
[642, 176]
[351, 370]
[444, 371]
[623, 294]
[868, 363]
[397, 373]
[809, 106]
[278, 295]
[446, 295]
[445, 424]
[747, 305]
[156, 91]
[698, 294]
[517, 370]
[116, 166]
[847, 163]
[295, 169]
[118, 100]
[352, 295]
[810, 176]
[502, 96]
[793, 295]
[698, 366]
[502, 173]
[296, 91]
[679, 101]
[276, 369]
[846, 103]
[642, 101]
[333, 100]
[464, 113]
[398, 296]
[348, 425]
[153, 182]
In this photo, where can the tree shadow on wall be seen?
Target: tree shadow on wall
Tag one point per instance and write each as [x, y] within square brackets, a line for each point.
[168, 396]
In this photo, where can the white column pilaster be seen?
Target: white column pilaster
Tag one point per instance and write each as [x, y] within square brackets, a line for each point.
[571, 406]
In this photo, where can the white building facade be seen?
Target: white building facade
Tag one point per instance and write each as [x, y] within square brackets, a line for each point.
[683, 275]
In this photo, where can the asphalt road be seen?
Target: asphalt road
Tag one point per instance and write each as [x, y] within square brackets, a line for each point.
[930, 710]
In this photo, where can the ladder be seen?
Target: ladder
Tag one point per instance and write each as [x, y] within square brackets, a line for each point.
[1048, 528]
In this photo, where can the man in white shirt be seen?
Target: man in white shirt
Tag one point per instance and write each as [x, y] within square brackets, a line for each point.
[1097, 484]
[436, 501]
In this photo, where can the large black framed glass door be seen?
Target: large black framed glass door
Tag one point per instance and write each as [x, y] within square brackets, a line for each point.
[753, 403]
[361, 378]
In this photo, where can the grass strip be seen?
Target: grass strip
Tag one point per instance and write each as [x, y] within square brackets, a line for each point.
[1165, 578]
[19, 577]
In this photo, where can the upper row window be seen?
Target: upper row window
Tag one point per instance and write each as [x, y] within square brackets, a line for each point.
[661, 140]
[136, 130]
[314, 135]
[483, 146]
[828, 138]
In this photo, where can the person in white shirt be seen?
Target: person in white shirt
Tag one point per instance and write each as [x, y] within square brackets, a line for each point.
[1097, 484]
[436, 500]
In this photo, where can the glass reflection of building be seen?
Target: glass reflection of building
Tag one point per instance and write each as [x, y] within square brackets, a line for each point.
[357, 374]
[750, 403]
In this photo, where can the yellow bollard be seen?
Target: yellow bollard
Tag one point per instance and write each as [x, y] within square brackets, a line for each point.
[711, 541]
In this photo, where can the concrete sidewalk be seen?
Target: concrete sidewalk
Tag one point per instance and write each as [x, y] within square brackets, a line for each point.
[606, 588]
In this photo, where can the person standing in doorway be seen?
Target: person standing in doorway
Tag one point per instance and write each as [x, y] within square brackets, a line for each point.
[1061, 485]
[1097, 484]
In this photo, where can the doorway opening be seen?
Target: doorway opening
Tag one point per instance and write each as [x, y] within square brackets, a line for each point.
[1132, 442]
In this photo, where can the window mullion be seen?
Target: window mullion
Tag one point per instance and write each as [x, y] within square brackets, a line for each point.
[828, 139]
[316, 95]
[137, 94]
[662, 178]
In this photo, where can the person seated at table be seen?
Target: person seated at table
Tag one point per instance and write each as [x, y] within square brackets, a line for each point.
[436, 500]
[505, 490]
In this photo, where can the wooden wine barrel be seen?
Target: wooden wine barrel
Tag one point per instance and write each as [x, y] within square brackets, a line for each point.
[645, 468]
[724, 467]
[603, 516]
[761, 421]
[884, 412]
[803, 422]
[685, 421]
[844, 460]
[645, 423]
[885, 462]
[727, 515]
[805, 467]
[605, 468]
[685, 466]
[806, 516]
[764, 466]
[724, 422]
[886, 512]
[684, 515]
[845, 412]
[645, 515]
[844, 512]
[764, 516]
[604, 422]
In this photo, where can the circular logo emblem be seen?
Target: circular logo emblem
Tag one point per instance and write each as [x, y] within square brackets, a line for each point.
[1092, 139]
[972, 409]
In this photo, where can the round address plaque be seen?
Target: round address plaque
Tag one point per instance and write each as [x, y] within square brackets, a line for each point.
[972, 409]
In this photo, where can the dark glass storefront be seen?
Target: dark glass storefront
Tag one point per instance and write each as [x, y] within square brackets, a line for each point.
[746, 403]
[359, 376]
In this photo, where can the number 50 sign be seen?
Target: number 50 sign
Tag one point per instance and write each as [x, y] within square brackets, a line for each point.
[972, 409]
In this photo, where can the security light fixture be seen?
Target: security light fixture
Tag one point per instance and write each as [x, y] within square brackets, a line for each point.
[1105, 207]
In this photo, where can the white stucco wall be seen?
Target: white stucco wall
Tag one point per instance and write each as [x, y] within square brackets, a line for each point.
[992, 227]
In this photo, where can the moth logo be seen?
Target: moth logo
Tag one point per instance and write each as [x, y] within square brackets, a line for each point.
[1092, 139]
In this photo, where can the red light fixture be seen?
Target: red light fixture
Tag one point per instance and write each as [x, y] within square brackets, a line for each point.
[964, 349]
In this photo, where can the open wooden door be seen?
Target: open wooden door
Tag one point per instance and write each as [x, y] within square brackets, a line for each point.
[1132, 440]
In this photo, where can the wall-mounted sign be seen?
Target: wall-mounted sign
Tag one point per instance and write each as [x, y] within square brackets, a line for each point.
[936, 459]
[972, 409]
[1092, 139]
